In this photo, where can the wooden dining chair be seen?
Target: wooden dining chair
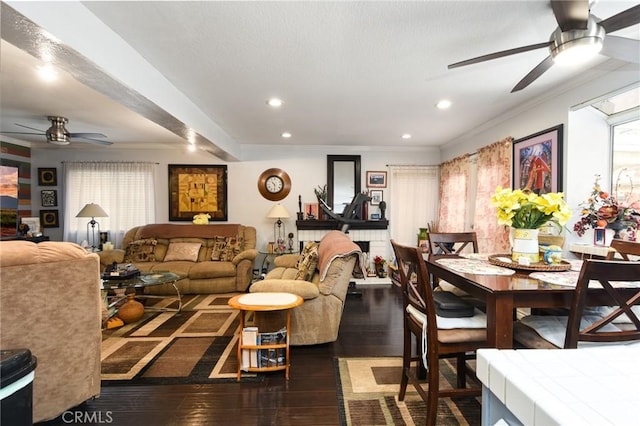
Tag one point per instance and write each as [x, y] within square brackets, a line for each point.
[432, 340]
[614, 322]
[624, 249]
[447, 243]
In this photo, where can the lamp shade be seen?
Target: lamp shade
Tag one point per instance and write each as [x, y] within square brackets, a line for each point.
[92, 210]
[277, 212]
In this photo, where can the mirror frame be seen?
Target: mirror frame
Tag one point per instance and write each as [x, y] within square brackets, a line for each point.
[331, 160]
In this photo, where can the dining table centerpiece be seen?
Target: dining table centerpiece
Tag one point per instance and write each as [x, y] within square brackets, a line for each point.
[525, 212]
[605, 210]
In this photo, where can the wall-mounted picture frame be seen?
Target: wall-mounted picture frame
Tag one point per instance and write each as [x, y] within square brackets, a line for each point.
[376, 196]
[49, 198]
[537, 161]
[47, 176]
[195, 189]
[376, 179]
[49, 219]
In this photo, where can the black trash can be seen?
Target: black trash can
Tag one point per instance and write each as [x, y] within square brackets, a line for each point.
[17, 370]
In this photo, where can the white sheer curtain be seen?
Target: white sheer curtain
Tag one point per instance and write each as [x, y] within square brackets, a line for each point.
[413, 201]
[125, 190]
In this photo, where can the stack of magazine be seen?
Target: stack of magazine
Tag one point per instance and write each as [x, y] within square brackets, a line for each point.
[261, 358]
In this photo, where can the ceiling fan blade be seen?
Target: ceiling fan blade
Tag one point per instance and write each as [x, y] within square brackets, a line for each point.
[500, 54]
[21, 133]
[571, 14]
[622, 20]
[625, 49]
[534, 74]
[87, 135]
[91, 140]
[32, 128]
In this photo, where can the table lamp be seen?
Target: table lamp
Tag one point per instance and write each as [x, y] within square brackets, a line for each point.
[92, 210]
[278, 212]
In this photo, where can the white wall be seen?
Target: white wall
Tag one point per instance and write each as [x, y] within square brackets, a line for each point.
[307, 168]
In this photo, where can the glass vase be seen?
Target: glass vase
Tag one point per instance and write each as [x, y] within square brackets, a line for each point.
[524, 246]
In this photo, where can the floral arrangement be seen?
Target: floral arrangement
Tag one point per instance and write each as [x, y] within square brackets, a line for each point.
[201, 219]
[379, 261]
[524, 209]
[603, 209]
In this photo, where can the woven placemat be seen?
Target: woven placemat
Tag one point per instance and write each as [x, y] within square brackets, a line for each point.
[495, 259]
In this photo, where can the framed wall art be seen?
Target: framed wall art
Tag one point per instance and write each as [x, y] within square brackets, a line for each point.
[49, 218]
[376, 196]
[376, 179]
[195, 189]
[49, 198]
[537, 161]
[47, 176]
[33, 223]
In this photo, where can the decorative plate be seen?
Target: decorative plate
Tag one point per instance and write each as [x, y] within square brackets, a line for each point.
[505, 260]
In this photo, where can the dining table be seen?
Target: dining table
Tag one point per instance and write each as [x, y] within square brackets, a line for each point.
[504, 290]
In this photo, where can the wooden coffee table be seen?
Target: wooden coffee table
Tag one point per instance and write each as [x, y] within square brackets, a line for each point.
[265, 302]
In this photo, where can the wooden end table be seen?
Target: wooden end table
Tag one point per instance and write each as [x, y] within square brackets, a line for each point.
[265, 302]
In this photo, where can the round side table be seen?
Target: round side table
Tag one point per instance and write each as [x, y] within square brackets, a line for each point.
[252, 302]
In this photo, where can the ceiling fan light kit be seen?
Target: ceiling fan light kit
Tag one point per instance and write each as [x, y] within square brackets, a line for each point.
[577, 46]
[57, 134]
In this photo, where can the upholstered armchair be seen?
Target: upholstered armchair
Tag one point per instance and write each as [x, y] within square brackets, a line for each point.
[323, 288]
[51, 305]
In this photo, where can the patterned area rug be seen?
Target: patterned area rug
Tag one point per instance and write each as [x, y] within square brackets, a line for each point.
[197, 345]
[368, 395]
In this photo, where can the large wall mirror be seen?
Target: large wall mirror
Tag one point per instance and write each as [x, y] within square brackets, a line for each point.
[343, 180]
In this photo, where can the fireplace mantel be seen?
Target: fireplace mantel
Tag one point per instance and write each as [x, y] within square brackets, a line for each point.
[334, 224]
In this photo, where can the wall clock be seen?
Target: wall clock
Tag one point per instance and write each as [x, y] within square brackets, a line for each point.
[274, 184]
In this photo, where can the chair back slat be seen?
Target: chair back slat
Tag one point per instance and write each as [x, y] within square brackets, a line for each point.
[624, 249]
[446, 243]
[620, 281]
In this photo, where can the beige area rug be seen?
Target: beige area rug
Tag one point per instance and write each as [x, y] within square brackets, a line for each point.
[368, 395]
[198, 345]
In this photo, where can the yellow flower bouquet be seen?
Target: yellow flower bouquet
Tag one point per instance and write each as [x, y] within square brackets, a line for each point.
[523, 209]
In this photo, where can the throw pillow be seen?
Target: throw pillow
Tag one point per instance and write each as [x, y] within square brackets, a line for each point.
[226, 248]
[141, 251]
[183, 251]
[308, 262]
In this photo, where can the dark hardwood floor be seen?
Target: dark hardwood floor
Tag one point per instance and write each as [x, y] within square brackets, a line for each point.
[371, 326]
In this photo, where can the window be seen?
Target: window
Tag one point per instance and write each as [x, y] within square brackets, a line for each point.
[125, 191]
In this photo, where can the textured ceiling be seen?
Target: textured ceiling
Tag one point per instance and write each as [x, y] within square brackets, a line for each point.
[350, 73]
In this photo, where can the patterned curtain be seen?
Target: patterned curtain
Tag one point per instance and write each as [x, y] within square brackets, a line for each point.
[454, 179]
[494, 169]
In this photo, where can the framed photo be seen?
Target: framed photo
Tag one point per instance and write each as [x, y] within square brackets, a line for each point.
[33, 223]
[376, 196]
[311, 211]
[49, 218]
[49, 198]
[537, 161]
[376, 179]
[599, 236]
[47, 176]
[195, 189]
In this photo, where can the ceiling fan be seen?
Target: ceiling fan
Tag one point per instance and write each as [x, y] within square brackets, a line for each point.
[578, 30]
[57, 134]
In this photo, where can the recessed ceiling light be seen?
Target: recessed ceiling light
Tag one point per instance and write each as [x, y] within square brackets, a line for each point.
[274, 102]
[286, 135]
[406, 136]
[47, 72]
[443, 104]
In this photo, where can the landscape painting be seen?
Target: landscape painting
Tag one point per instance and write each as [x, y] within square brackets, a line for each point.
[8, 200]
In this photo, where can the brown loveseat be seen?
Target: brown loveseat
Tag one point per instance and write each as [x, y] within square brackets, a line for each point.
[50, 304]
[317, 320]
[151, 248]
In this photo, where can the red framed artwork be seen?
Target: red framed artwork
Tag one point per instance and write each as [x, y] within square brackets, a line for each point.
[537, 161]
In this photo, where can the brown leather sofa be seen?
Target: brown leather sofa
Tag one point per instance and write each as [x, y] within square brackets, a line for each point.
[232, 245]
[50, 304]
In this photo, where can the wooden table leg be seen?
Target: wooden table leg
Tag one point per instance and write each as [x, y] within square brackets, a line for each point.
[240, 344]
[287, 340]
